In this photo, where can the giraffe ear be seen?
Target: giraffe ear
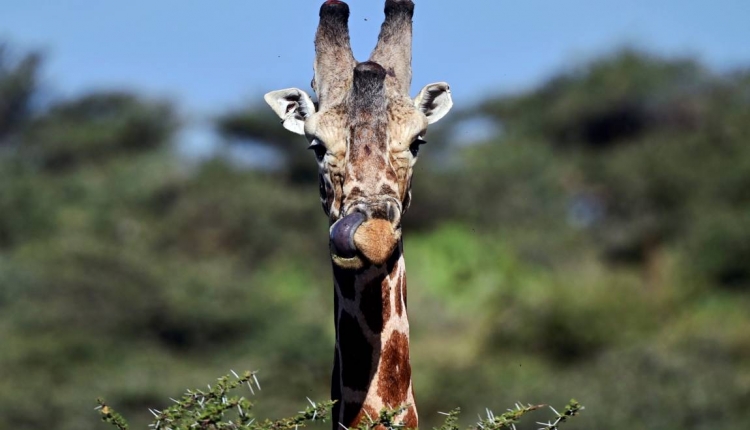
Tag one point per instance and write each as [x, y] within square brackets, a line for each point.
[434, 101]
[293, 106]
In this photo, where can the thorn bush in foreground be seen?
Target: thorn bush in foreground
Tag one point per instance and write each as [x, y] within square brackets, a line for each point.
[217, 409]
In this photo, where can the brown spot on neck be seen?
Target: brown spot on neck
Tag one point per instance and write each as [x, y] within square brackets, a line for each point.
[393, 385]
[410, 419]
[355, 413]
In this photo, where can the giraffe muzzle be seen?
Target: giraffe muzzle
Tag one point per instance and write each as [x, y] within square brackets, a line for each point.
[356, 240]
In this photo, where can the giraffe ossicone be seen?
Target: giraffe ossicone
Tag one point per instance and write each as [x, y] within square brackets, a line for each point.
[366, 131]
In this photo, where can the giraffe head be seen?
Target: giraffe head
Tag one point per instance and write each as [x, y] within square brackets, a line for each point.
[365, 130]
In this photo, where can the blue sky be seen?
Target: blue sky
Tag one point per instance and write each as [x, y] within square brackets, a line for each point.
[211, 56]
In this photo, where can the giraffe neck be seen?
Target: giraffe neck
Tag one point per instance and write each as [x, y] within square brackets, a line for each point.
[371, 364]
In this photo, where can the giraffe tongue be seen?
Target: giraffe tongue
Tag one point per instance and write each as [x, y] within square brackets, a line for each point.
[342, 235]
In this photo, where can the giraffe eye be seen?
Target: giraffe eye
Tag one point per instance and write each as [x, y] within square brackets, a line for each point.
[319, 149]
[414, 147]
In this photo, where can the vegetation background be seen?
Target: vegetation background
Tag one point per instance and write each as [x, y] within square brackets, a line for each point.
[588, 237]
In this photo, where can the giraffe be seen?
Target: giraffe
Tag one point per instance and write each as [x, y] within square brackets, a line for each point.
[366, 132]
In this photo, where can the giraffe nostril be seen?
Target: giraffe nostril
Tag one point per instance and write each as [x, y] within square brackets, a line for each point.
[342, 234]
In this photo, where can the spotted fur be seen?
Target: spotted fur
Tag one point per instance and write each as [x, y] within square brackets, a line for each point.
[365, 132]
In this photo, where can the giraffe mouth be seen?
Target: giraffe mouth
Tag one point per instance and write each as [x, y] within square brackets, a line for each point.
[342, 235]
[356, 240]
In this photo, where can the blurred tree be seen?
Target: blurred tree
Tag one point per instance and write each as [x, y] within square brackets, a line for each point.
[94, 127]
[613, 100]
[655, 143]
[259, 126]
[18, 83]
[127, 273]
[115, 256]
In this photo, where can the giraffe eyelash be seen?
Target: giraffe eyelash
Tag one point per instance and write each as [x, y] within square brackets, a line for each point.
[414, 147]
[319, 149]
